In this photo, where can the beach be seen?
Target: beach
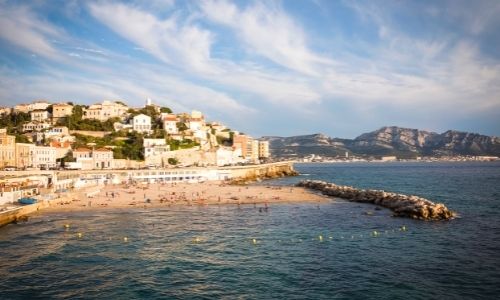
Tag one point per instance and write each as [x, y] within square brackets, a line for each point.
[168, 194]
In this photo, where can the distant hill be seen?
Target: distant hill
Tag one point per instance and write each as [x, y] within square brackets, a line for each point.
[403, 142]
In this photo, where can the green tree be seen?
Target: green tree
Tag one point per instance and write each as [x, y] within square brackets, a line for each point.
[165, 110]
[22, 139]
[173, 161]
[182, 126]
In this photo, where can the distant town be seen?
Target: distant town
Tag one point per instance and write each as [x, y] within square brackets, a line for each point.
[112, 135]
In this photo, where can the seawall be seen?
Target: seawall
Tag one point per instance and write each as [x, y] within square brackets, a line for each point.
[409, 206]
[21, 213]
[246, 174]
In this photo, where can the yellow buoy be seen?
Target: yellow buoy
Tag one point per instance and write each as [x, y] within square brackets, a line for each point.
[66, 226]
[403, 228]
[197, 240]
[125, 239]
[79, 235]
[254, 241]
[375, 233]
[320, 238]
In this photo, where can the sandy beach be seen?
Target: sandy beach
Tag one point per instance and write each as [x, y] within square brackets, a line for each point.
[207, 193]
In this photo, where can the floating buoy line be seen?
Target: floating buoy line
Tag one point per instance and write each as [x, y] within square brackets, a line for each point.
[321, 238]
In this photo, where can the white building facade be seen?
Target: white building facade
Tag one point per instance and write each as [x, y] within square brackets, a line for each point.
[141, 123]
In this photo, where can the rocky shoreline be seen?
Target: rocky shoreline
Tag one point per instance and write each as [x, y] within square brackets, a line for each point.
[409, 206]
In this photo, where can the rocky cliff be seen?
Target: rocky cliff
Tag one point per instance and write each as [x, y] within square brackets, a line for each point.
[403, 142]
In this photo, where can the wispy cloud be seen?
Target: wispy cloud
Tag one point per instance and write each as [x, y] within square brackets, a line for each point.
[179, 45]
[20, 27]
[234, 59]
[270, 32]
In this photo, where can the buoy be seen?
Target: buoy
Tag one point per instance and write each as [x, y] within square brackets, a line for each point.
[197, 240]
[403, 228]
[331, 237]
[125, 239]
[254, 241]
[375, 233]
[66, 226]
[320, 238]
[79, 235]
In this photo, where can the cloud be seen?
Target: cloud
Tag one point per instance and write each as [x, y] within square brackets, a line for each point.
[20, 27]
[269, 32]
[179, 45]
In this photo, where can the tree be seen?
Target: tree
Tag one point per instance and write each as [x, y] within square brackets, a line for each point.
[165, 110]
[22, 139]
[173, 161]
[181, 126]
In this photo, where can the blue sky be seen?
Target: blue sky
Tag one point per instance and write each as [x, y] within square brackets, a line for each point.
[264, 67]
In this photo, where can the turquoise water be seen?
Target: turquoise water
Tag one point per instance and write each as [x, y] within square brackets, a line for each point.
[209, 252]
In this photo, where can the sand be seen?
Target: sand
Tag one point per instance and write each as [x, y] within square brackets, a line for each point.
[165, 195]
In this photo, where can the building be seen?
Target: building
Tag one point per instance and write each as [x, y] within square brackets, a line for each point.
[155, 147]
[170, 124]
[249, 147]
[228, 156]
[388, 158]
[44, 157]
[105, 110]
[263, 149]
[240, 141]
[35, 126]
[62, 148]
[196, 121]
[5, 111]
[101, 158]
[39, 115]
[61, 110]
[141, 123]
[24, 155]
[7, 149]
[40, 105]
[24, 108]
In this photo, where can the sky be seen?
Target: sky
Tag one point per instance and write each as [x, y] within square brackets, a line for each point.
[264, 68]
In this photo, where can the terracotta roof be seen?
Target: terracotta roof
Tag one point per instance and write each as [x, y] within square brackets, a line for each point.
[82, 150]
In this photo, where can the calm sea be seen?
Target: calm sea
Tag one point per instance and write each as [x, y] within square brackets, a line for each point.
[292, 251]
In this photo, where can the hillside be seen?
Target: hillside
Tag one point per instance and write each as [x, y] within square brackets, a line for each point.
[403, 142]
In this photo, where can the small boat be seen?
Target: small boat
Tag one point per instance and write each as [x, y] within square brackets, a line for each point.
[27, 200]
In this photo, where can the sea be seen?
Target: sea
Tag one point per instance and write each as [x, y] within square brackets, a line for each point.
[332, 250]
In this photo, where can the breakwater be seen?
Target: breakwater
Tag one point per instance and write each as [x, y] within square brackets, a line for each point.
[409, 206]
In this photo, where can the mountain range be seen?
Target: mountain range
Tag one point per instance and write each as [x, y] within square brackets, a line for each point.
[393, 140]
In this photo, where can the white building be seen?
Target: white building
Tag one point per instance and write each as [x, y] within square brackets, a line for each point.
[141, 123]
[154, 147]
[228, 156]
[170, 123]
[36, 126]
[101, 158]
[39, 115]
[44, 157]
[40, 105]
[105, 110]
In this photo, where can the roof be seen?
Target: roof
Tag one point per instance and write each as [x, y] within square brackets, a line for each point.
[103, 150]
[142, 115]
[82, 150]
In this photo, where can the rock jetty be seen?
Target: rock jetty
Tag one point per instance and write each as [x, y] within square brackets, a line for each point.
[402, 205]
